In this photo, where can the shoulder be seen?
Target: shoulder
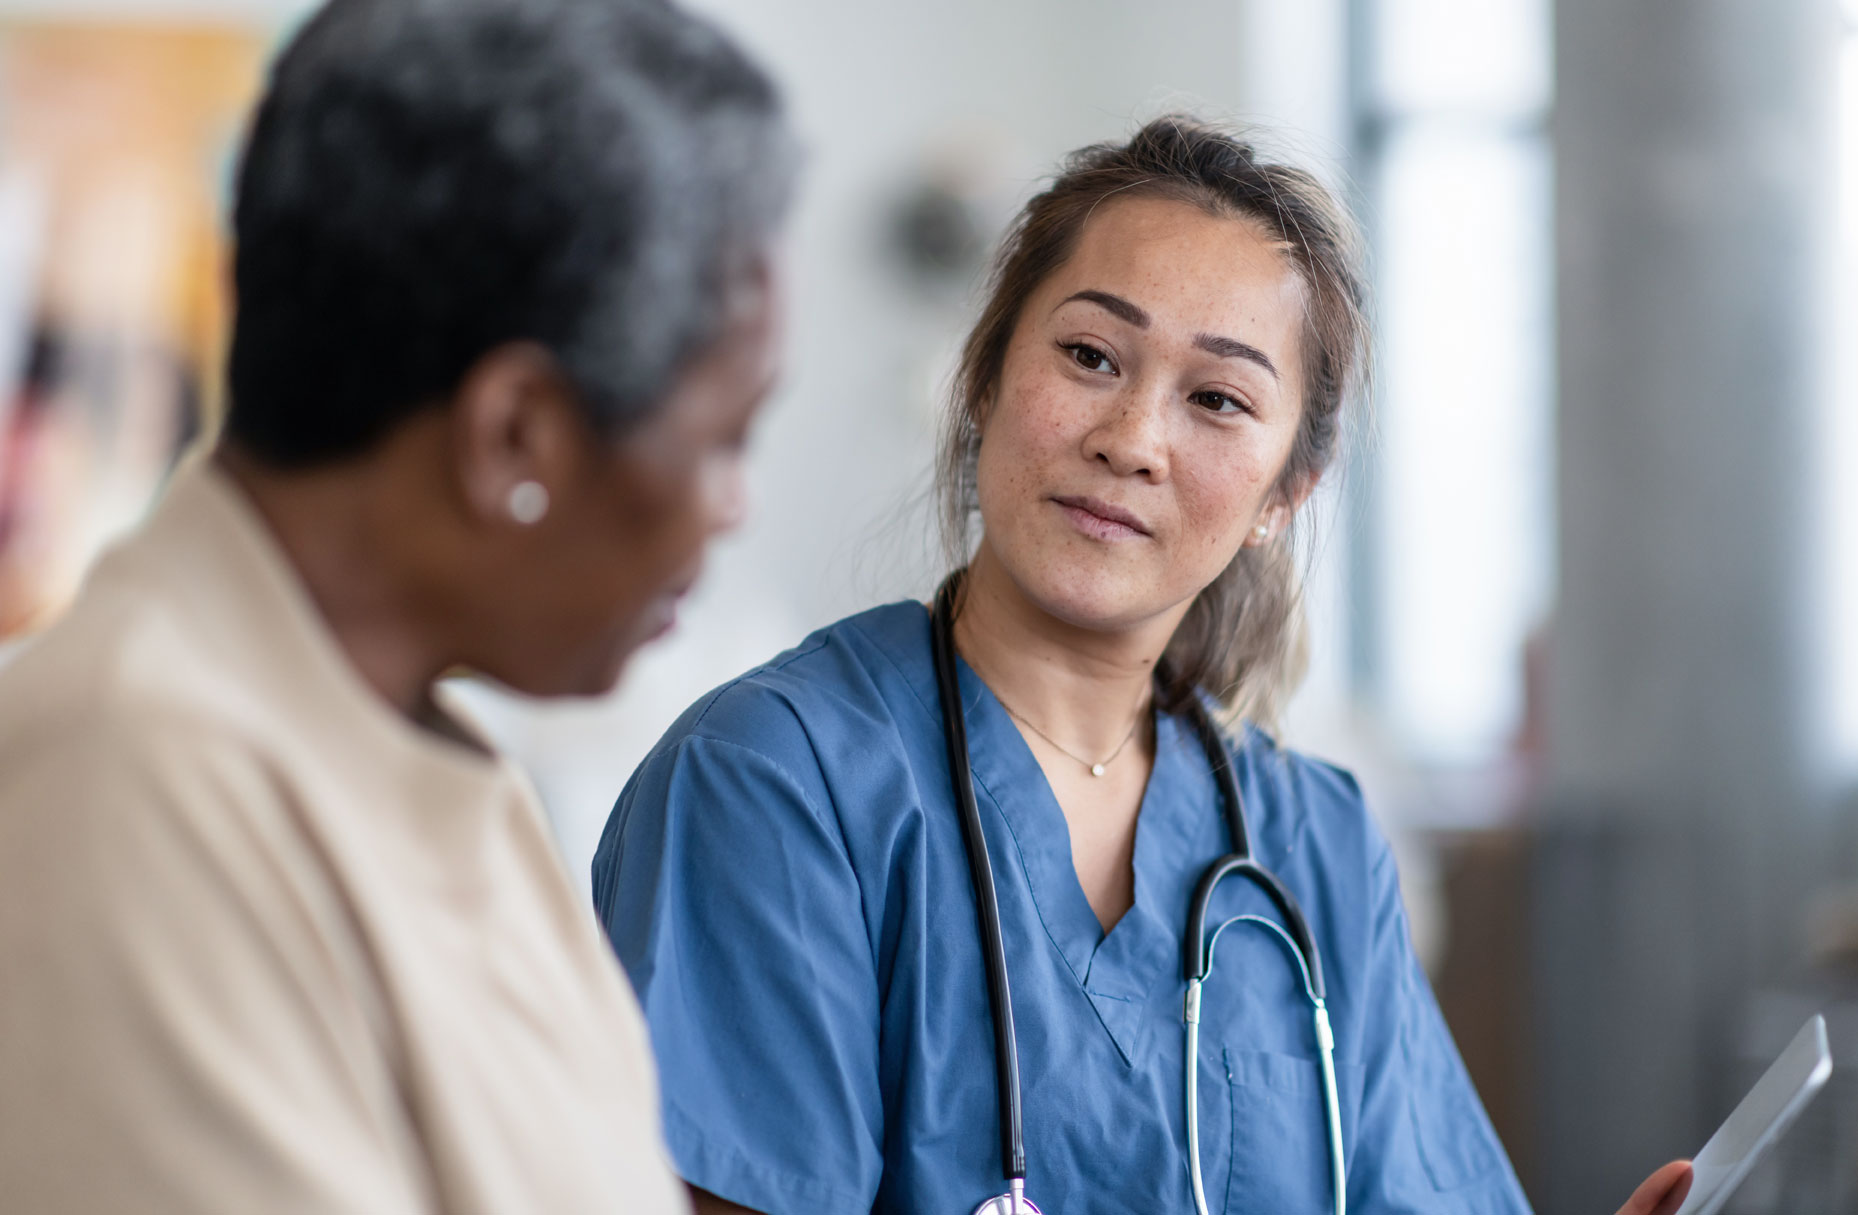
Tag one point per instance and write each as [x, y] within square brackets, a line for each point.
[822, 743]
[1302, 807]
[123, 737]
[126, 836]
[103, 783]
[124, 674]
[838, 693]
[800, 764]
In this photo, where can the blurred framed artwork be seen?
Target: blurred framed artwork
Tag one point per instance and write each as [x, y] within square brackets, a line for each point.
[116, 143]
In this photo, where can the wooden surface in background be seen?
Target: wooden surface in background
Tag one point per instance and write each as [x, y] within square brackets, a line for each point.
[1483, 982]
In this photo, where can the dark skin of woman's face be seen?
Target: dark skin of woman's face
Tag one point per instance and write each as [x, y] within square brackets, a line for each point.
[419, 566]
[629, 521]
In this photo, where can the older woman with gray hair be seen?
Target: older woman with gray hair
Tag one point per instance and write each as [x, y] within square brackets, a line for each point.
[277, 931]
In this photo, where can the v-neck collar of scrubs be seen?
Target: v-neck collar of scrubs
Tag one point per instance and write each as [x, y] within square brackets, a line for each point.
[1119, 971]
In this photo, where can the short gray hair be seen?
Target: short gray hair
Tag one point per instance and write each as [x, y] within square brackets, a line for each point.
[428, 179]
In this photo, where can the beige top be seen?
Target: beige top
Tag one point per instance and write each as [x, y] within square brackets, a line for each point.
[267, 946]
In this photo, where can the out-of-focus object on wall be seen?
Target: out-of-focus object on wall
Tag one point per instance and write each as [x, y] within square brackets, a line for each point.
[936, 226]
[114, 144]
[946, 218]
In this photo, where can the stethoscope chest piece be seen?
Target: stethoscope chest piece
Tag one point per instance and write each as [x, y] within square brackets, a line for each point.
[1006, 1204]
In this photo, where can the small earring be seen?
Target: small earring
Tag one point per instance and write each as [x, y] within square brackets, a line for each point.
[528, 502]
[1261, 533]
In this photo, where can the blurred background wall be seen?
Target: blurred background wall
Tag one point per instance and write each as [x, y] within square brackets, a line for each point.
[1584, 605]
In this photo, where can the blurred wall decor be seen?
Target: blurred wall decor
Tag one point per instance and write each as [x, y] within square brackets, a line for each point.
[114, 142]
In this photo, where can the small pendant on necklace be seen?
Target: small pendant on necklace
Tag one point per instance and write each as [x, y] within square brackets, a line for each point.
[1096, 769]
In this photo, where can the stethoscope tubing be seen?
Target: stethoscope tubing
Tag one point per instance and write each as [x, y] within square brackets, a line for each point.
[1197, 954]
[1198, 957]
[1325, 1052]
[987, 901]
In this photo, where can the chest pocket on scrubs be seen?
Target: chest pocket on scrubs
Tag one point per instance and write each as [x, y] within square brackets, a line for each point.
[1280, 1133]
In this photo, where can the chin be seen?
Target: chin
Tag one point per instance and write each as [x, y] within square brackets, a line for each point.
[599, 665]
[604, 677]
[583, 679]
[1086, 595]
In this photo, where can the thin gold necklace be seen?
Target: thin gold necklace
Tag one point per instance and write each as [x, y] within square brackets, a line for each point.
[1095, 769]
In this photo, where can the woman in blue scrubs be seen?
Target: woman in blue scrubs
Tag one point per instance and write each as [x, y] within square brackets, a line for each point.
[1154, 388]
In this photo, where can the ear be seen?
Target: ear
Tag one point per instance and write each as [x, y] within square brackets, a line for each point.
[1282, 508]
[514, 421]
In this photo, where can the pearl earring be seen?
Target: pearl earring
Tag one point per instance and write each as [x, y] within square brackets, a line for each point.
[1261, 533]
[528, 502]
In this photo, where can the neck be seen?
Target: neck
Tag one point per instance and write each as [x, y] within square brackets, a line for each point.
[1080, 687]
[328, 522]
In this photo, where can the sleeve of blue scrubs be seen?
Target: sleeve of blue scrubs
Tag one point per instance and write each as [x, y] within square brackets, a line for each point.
[725, 887]
[1424, 1141]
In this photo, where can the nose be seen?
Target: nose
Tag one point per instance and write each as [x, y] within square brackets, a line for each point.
[1131, 436]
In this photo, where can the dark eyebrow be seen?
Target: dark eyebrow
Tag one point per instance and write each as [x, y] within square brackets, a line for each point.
[1233, 348]
[1224, 347]
[1116, 305]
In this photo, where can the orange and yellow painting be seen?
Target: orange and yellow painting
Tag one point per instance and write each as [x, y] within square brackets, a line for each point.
[116, 144]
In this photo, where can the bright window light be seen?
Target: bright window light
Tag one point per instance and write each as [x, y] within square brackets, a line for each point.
[1488, 58]
[1841, 477]
[1463, 523]
[1466, 442]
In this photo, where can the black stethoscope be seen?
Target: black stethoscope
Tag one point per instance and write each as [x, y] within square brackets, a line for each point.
[1293, 933]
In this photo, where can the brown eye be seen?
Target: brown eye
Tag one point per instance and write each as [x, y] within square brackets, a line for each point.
[1219, 402]
[1089, 357]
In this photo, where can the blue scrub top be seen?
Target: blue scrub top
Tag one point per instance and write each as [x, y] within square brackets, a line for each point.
[785, 882]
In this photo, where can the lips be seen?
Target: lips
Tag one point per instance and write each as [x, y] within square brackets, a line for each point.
[1104, 520]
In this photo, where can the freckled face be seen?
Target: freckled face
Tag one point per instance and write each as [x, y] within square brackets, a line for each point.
[1146, 408]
